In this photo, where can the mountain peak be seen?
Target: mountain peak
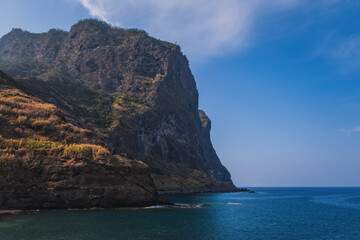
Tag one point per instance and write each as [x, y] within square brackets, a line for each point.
[92, 24]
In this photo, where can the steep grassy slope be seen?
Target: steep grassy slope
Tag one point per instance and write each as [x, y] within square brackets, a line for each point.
[48, 162]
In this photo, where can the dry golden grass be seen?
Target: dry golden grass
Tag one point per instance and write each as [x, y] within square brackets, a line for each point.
[12, 101]
[30, 124]
[6, 159]
[41, 123]
[22, 120]
[85, 151]
[28, 144]
[73, 150]
[4, 110]
[8, 163]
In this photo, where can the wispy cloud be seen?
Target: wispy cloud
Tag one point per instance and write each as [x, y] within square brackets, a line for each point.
[349, 131]
[347, 51]
[203, 28]
[96, 9]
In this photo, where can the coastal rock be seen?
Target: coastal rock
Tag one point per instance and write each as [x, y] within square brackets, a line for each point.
[135, 92]
[47, 162]
[40, 179]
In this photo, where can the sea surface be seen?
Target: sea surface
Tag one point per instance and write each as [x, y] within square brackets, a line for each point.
[270, 213]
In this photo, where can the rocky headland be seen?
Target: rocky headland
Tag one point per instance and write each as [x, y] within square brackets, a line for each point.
[100, 117]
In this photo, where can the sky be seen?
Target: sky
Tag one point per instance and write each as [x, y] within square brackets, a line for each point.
[280, 79]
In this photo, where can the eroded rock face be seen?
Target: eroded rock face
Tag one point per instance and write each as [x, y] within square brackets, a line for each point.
[43, 180]
[48, 162]
[151, 109]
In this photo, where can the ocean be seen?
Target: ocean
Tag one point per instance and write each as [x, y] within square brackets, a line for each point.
[270, 213]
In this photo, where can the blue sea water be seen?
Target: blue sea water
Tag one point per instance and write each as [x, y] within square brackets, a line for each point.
[270, 213]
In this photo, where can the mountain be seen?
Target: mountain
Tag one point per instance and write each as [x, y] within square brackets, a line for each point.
[135, 93]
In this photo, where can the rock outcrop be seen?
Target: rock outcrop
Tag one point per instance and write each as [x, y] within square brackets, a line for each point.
[135, 92]
[47, 162]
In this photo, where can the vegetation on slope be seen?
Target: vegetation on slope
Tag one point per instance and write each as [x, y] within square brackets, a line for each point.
[28, 123]
[103, 110]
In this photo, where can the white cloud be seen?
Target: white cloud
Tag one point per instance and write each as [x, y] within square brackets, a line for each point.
[203, 28]
[96, 9]
[349, 131]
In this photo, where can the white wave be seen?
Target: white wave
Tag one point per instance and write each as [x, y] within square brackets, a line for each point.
[176, 205]
[158, 206]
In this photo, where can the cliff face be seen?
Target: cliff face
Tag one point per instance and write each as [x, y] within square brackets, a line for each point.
[48, 162]
[137, 93]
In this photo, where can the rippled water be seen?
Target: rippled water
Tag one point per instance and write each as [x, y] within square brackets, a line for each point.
[270, 213]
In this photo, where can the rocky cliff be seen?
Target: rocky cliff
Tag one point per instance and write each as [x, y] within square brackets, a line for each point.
[136, 93]
[48, 162]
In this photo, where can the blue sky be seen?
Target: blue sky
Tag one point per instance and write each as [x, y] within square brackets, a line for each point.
[279, 79]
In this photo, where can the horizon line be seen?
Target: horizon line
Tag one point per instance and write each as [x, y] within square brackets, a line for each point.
[300, 187]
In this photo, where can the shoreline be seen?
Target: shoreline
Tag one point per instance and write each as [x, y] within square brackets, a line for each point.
[11, 212]
[202, 192]
[18, 212]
